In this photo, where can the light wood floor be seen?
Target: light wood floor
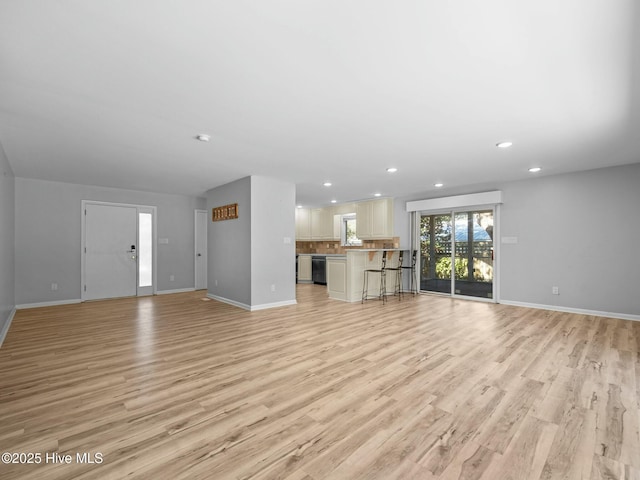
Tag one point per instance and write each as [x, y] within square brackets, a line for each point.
[176, 387]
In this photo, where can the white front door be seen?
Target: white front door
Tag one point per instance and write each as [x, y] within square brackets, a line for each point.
[201, 249]
[110, 256]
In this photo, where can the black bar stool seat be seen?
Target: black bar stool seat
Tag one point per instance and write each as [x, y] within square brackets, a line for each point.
[382, 271]
[413, 285]
[398, 269]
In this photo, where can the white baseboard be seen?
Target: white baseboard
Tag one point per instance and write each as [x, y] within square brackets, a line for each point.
[48, 304]
[265, 306]
[5, 329]
[251, 308]
[557, 308]
[229, 301]
[178, 290]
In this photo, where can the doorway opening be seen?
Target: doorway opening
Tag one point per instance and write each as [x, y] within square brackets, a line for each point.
[200, 262]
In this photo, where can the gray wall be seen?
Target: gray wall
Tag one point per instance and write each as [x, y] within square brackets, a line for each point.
[229, 244]
[272, 260]
[7, 236]
[248, 255]
[48, 237]
[579, 232]
[401, 223]
[576, 231]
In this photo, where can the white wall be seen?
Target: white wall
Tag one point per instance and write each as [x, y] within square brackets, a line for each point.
[48, 237]
[577, 231]
[7, 238]
[272, 260]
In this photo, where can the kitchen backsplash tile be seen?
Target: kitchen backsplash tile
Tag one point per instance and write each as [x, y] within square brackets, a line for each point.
[335, 247]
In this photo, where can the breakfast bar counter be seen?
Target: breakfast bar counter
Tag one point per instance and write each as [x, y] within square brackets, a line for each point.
[345, 273]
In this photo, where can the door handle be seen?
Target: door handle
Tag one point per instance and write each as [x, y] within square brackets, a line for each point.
[199, 254]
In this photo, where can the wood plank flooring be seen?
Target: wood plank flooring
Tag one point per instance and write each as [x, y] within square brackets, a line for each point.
[176, 387]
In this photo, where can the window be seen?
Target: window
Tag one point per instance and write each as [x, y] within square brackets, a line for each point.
[145, 250]
[348, 236]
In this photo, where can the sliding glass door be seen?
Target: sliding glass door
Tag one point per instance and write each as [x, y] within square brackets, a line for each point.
[456, 253]
[435, 253]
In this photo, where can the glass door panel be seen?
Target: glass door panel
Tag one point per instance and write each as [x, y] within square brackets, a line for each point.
[456, 253]
[473, 261]
[146, 236]
[435, 253]
[145, 250]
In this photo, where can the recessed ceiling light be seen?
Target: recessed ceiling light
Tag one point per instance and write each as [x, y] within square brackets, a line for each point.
[535, 169]
[299, 206]
[504, 144]
[204, 138]
[334, 201]
[377, 194]
[327, 184]
[438, 185]
[392, 169]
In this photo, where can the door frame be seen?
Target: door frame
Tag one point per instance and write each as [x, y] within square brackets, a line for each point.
[195, 249]
[139, 209]
[496, 249]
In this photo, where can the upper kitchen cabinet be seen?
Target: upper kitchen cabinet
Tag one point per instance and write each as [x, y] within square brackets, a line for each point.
[322, 224]
[374, 219]
[303, 224]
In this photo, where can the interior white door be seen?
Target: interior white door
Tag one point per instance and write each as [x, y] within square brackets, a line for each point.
[201, 249]
[110, 251]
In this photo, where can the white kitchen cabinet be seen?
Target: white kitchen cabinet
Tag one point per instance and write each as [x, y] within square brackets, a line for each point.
[318, 224]
[304, 269]
[322, 224]
[337, 226]
[303, 224]
[363, 220]
[374, 219]
[337, 277]
[382, 218]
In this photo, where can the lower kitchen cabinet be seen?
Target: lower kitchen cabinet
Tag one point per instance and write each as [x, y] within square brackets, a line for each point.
[337, 277]
[304, 269]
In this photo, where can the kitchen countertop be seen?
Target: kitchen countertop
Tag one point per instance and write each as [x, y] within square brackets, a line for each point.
[378, 250]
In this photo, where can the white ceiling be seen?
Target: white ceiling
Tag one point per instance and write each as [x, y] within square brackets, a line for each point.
[113, 92]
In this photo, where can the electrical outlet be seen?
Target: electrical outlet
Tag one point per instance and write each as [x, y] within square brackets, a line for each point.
[54, 287]
[215, 283]
[172, 278]
[555, 290]
[273, 287]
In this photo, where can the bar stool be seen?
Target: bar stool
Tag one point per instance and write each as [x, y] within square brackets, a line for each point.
[413, 285]
[383, 280]
[398, 269]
